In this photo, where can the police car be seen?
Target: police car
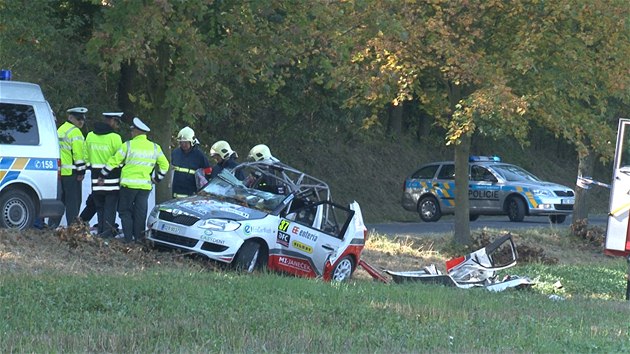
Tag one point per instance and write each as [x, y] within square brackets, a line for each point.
[495, 188]
[295, 229]
[29, 155]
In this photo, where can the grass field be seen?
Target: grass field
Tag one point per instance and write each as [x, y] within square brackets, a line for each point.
[97, 298]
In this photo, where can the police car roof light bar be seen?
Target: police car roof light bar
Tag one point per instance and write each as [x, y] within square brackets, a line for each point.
[476, 158]
[5, 75]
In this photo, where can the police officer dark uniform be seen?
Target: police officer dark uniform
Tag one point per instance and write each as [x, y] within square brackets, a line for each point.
[100, 145]
[140, 158]
[225, 157]
[185, 161]
[72, 163]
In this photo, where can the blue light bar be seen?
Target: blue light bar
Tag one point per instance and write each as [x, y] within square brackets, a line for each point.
[5, 75]
[476, 158]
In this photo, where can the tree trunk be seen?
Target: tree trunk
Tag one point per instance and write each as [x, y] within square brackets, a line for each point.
[462, 221]
[160, 115]
[424, 123]
[394, 126]
[586, 165]
[125, 86]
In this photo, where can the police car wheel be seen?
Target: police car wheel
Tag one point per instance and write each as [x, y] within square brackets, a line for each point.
[516, 209]
[557, 219]
[250, 257]
[17, 210]
[429, 209]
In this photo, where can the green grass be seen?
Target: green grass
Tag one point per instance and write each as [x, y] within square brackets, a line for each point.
[180, 311]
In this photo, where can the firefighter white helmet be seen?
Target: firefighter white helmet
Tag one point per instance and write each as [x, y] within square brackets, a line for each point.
[260, 152]
[221, 148]
[186, 134]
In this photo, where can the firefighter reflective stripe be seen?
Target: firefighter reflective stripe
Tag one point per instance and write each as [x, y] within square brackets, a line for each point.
[140, 157]
[71, 148]
[177, 195]
[184, 170]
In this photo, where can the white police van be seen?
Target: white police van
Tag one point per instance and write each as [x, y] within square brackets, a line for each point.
[29, 155]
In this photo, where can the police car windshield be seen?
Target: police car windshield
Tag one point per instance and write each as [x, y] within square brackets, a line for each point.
[226, 187]
[514, 173]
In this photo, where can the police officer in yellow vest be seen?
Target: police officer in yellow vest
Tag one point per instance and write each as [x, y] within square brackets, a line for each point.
[72, 163]
[101, 144]
[140, 158]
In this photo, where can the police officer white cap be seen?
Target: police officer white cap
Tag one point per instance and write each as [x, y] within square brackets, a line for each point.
[138, 124]
[117, 115]
[78, 112]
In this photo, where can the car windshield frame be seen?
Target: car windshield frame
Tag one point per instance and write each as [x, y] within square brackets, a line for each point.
[226, 187]
[513, 173]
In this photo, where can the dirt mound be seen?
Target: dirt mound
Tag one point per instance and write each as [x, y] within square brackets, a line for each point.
[74, 250]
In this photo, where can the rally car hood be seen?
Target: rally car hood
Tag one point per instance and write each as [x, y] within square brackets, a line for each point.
[206, 208]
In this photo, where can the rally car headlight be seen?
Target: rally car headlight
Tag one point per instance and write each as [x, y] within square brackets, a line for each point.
[219, 225]
[155, 212]
[542, 192]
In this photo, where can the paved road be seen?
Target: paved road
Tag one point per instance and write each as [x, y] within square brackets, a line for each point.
[445, 225]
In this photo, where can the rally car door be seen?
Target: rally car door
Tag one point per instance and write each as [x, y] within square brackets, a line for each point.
[308, 236]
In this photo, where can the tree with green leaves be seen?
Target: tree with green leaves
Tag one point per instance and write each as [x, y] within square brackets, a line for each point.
[44, 42]
[455, 58]
[578, 73]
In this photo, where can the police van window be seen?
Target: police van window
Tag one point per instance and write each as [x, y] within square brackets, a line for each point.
[426, 172]
[447, 172]
[624, 149]
[18, 125]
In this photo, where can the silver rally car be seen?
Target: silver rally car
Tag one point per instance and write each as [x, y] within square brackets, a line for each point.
[278, 217]
[495, 188]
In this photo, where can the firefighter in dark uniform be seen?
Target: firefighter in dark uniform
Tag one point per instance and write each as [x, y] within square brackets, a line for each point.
[100, 145]
[225, 157]
[262, 153]
[140, 158]
[185, 161]
[72, 163]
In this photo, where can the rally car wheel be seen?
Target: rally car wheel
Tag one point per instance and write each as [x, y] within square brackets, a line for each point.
[557, 219]
[429, 209]
[249, 257]
[343, 269]
[17, 210]
[516, 209]
[473, 217]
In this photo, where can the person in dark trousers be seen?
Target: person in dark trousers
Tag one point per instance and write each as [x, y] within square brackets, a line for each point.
[100, 145]
[90, 209]
[71, 146]
[185, 161]
[225, 157]
[140, 158]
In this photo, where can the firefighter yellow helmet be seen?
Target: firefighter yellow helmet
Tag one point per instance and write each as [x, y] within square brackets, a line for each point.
[260, 152]
[221, 148]
[186, 134]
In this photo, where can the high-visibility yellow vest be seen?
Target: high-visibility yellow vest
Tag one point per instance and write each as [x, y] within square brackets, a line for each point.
[71, 146]
[140, 157]
[98, 149]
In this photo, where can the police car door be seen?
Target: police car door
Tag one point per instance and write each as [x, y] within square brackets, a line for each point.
[617, 238]
[310, 235]
[483, 192]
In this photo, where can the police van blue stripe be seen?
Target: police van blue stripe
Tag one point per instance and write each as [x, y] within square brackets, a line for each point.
[6, 162]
